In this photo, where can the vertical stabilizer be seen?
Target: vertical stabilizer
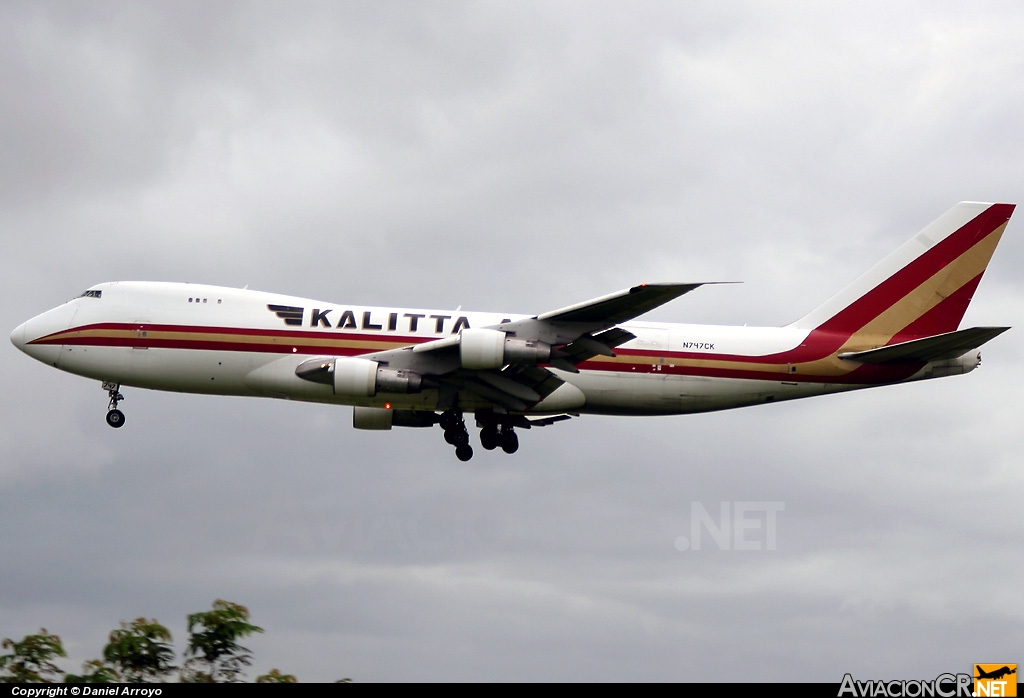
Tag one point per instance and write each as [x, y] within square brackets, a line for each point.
[924, 287]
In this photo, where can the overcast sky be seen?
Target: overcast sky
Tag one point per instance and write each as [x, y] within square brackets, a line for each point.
[514, 157]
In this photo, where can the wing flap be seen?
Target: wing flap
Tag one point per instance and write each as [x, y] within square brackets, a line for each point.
[950, 345]
[515, 388]
[530, 422]
[603, 344]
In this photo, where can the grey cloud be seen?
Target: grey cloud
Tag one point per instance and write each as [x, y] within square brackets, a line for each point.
[515, 157]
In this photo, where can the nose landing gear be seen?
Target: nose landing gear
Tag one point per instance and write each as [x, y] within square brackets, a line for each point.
[115, 417]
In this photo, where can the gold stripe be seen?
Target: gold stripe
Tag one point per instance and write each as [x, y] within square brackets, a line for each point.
[944, 283]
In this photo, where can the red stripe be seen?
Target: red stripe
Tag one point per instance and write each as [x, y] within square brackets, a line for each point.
[817, 345]
[59, 337]
[338, 349]
[866, 374]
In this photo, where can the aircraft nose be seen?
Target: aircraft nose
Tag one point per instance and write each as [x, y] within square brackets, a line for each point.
[31, 335]
[18, 336]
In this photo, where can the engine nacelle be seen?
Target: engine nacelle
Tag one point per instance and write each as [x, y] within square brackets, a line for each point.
[355, 377]
[484, 349]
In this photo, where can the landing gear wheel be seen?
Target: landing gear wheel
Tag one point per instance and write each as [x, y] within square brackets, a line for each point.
[509, 441]
[450, 420]
[456, 437]
[115, 418]
[489, 439]
[464, 452]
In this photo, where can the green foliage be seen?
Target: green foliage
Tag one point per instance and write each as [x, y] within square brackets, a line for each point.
[275, 676]
[94, 671]
[29, 660]
[141, 650]
[213, 650]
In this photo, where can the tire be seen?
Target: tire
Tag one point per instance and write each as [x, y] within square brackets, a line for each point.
[115, 418]
[456, 437]
[509, 442]
[464, 452]
[489, 439]
[448, 421]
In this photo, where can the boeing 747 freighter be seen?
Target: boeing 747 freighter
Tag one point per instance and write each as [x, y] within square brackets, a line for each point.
[411, 367]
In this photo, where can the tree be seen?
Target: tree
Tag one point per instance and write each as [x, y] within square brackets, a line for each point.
[275, 676]
[94, 671]
[29, 660]
[213, 644]
[141, 650]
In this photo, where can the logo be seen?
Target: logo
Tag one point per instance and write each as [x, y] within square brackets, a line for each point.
[346, 320]
[995, 680]
[943, 686]
[291, 314]
[988, 680]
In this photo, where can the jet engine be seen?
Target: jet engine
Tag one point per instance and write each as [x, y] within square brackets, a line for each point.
[354, 377]
[483, 349]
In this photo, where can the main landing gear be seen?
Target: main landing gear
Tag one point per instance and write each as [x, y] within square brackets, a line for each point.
[115, 417]
[494, 434]
[455, 433]
[495, 431]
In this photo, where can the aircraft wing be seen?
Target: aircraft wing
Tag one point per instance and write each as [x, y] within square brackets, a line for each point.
[576, 333]
[950, 345]
[572, 328]
[620, 306]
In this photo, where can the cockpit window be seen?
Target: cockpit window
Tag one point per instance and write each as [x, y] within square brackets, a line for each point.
[92, 294]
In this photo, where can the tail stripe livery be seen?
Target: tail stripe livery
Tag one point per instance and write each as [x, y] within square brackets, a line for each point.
[922, 288]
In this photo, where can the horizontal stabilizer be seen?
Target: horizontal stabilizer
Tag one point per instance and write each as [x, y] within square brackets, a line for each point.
[950, 345]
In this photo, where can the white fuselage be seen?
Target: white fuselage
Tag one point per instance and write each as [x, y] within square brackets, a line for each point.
[208, 339]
